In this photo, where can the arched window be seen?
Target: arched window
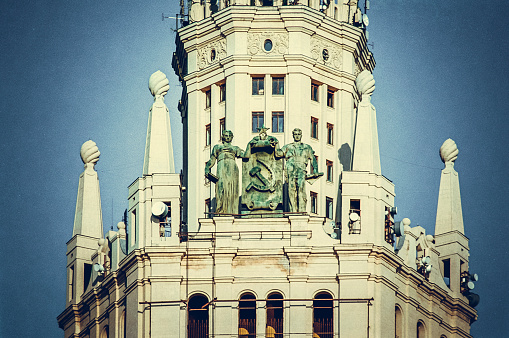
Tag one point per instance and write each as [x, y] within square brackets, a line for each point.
[274, 328]
[398, 323]
[421, 330]
[247, 316]
[122, 326]
[198, 317]
[105, 333]
[323, 316]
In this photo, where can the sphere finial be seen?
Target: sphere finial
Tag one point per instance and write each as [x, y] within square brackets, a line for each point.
[365, 84]
[89, 153]
[158, 84]
[449, 151]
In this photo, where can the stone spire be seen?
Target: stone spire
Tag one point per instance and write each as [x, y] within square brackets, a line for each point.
[158, 147]
[88, 216]
[449, 214]
[366, 155]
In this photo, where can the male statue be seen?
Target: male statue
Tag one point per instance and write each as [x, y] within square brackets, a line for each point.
[297, 155]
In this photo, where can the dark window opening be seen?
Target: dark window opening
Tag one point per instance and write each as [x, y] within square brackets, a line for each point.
[198, 317]
[247, 316]
[329, 207]
[257, 121]
[278, 86]
[330, 172]
[314, 92]
[314, 202]
[258, 84]
[207, 135]
[330, 98]
[278, 121]
[207, 208]
[87, 275]
[330, 133]
[222, 126]
[165, 223]
[314, 127]
[447, 271]
[274, 326]
[207, 98]
[222, 92]
[323, 316]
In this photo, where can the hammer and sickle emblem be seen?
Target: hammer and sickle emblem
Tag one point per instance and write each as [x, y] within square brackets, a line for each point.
[256, 172]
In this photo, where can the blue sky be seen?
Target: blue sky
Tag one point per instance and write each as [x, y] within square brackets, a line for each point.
[78, 70]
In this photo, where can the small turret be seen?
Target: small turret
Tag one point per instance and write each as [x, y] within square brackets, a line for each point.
[88, 226]
[450, 238]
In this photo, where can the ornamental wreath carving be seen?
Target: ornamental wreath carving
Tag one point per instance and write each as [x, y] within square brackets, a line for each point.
[267, 43]
[211, 53]
[327, 52]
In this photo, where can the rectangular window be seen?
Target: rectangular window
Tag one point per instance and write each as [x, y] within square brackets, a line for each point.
[165, 223]
[207, 99]
[258, 85]
[222, 127]
[329, 171]
[330, 98]
[71, 282]
[314, 127]
[278, 121]
[330, 133]
[329, 207]
[314, 202]
[278, 86]
[132, 231]
[207, 135]
[222, 92]
[257, 121]
[314, 92]
[207, 208]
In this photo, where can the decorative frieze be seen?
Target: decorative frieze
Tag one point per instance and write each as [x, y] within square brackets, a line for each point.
[267, 43]
[211, 53]
[331, 54]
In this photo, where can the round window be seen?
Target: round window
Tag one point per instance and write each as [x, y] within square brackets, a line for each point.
[267, 45]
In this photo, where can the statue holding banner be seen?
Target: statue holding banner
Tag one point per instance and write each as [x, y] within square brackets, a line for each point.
[227, 179]
[297, 155]
[262, 173]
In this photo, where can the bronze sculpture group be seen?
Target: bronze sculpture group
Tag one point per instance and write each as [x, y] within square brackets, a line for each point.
[262, 173]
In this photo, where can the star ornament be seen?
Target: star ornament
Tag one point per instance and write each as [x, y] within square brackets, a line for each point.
[262, 129]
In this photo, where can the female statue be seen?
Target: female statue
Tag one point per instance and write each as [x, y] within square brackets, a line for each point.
[227, 179]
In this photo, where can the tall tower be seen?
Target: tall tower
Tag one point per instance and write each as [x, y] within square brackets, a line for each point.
[281, 64]
[331, 269]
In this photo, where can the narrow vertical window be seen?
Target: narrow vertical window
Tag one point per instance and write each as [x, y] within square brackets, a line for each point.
[207, 98]
[132, 231]
[447, 271]
[274, 326]
[330, 98]
[314, 202]
[329, 207]
[398, 323]
[247, 316]
[207, 135]
[257, 121]
[330, 133]
[323, 325]
[314, 127]
[207, 208]
[198, 317]
[222, 127]
[122, 326]
[258, 83]
[278, 121]
[71, 282]
[421, 330]
[165, 223]
[314, 92]
[330, 173]
[222, 92]
[278, 86]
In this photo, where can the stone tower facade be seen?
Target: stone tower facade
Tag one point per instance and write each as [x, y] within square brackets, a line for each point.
[342, 268]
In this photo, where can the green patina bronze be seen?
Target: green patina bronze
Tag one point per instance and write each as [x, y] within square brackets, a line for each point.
[227, 179]
[297, 155]
[262, 174]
